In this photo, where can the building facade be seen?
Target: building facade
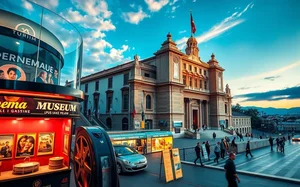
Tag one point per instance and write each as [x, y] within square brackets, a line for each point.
[170, 89]
[241, 122]
[289, 126]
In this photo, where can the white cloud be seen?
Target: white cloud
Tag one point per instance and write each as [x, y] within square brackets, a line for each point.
[27, 5]
[134, 17]
[173, 2]
[252, 6]
[194, 1]
[93, 7]
[258, 83]
[132, 5]
[218, 29]
[88, 21]
[181, 32]
[51, 4]
[174, 8]
[155, 6]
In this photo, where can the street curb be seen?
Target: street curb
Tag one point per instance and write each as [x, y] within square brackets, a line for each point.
[272, 177]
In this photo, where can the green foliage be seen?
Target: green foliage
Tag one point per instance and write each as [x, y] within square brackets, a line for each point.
[255, 120]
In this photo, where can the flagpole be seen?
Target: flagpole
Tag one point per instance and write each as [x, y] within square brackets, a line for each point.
[191, 21]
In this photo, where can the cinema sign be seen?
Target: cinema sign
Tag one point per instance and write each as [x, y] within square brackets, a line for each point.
[23, 106]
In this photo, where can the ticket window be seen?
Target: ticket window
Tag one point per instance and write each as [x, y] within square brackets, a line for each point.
[159, 144]
[137, 144]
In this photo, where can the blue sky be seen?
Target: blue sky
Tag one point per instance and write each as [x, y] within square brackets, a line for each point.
[257, 42]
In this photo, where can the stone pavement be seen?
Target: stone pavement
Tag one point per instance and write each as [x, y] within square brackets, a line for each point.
[192, 176]
[273, 164]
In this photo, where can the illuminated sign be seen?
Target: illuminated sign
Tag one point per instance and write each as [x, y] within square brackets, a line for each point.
[14, 105]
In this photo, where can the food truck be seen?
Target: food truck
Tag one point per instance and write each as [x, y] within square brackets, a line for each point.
[36, 112]
[153, 140]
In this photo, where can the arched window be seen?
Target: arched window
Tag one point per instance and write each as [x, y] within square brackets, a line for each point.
[148, 102]
[108, 123]
[124, 124]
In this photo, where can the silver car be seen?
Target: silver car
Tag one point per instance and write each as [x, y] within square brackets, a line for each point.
[129, 160]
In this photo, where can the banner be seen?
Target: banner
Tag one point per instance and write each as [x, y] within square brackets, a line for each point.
[167, 165]
[23, 106]
[177, 163]
[22, 67]
[204, 151]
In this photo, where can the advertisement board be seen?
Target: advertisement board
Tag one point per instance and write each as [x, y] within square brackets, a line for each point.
[176, 163]
[167, 165]
[24, 106]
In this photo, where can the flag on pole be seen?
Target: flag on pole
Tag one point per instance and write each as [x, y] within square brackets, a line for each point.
[193, 26]
[133, 112]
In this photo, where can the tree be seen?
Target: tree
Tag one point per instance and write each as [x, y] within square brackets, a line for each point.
[255, 120]
[237, 108]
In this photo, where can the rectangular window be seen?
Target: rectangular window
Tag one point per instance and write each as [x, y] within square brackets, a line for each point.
[205, 72]
[125, 79]
[86, 88]
[200, 71]
[110, 82]
[205, 85]
[190, 67]
[195, 69]
[108, 103]
[125, 101]
[225, 108]
[147, 75]
[201, 86]
[191, 82]
[195, 83]
[184, 66]
[97, 86]
[184, 79]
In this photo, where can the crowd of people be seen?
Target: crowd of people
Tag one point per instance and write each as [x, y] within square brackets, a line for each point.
[224, 147]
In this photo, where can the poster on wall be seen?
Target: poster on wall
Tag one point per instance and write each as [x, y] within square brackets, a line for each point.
[46, 143]
[6, 146]
[15, 105]
[66, 144]
[25, 144]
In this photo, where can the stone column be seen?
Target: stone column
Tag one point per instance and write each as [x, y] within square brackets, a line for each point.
[190, 116]
[207, 115]
[200, 114]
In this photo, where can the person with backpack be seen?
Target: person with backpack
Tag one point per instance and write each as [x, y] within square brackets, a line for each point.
[248, 150]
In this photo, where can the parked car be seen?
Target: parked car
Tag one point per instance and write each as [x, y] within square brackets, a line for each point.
[129, 160]
[296, 138]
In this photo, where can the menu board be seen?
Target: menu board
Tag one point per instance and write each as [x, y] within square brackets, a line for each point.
[177, 163]
[167, 165]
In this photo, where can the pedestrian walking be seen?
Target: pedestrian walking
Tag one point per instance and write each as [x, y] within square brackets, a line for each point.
[271, 142]
[202, 152]
[251, 136]
[282, 143]
[197, 151]
[241, 137]
[277, 144]
[214, 136]
[248, 150]
[222, 147]
[233, 145]
[207, 147]
[217, 152]
[289, 138]
[145, 148]
[230, 170]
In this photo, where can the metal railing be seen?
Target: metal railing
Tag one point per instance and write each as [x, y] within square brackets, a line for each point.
[100, 123]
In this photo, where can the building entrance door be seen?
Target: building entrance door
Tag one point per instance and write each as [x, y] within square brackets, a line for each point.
[148, 124]
[195, 119]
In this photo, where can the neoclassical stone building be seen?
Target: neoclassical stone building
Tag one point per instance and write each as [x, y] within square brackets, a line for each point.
[169, 89]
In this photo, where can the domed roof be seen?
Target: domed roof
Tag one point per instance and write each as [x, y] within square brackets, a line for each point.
[192, 40]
